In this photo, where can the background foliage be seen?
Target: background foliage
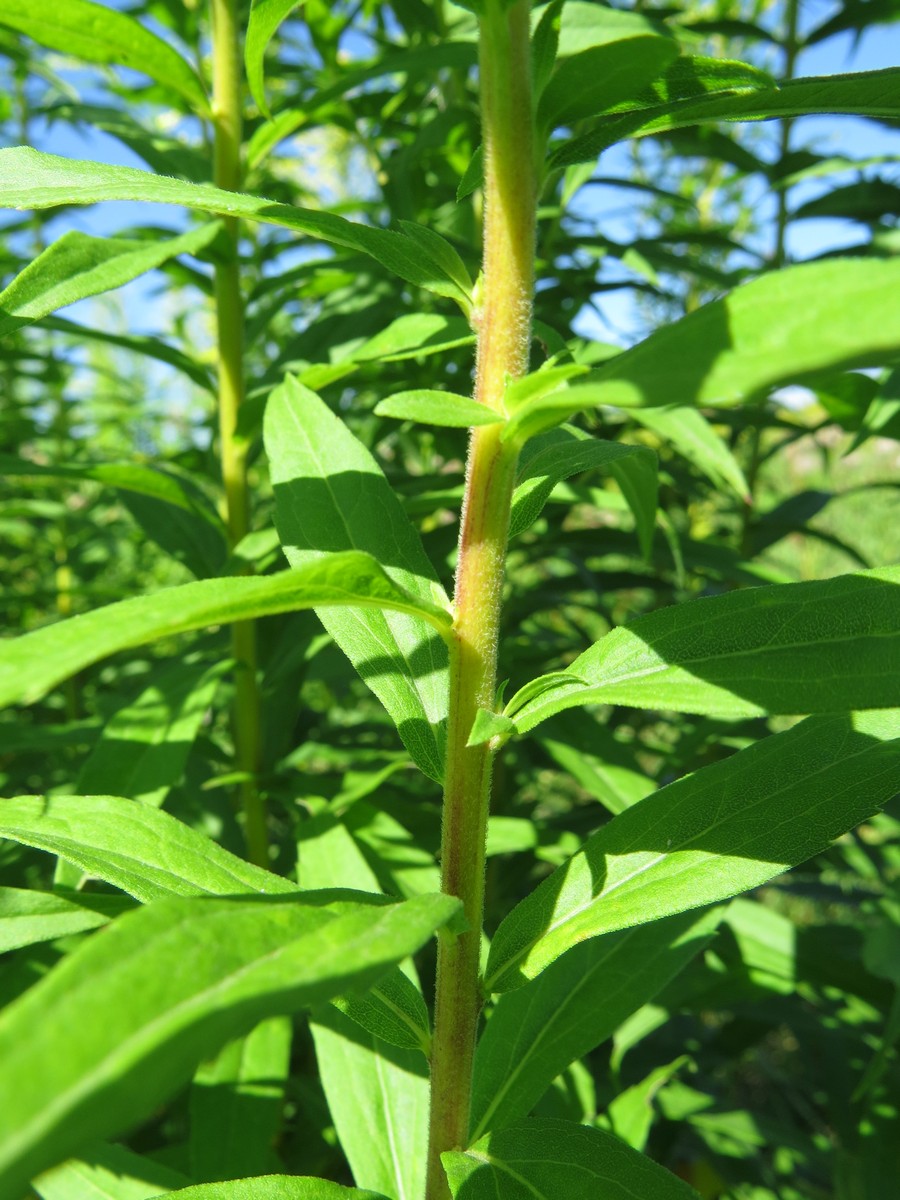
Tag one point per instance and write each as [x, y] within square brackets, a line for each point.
[762, 1064]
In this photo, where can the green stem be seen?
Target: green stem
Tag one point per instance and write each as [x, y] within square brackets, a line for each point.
[228, 132]
[504, 337]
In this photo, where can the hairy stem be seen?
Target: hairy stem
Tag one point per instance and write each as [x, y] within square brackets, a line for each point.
[504, 335]
[233, 448]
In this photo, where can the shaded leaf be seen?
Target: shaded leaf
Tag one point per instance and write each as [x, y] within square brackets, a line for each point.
[727, 828]
[826, 646]
[543, 1159]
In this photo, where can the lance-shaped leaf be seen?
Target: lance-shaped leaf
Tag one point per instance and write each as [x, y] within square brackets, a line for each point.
[543, 1159]
[578, 1002]
[559, 454]
[688, 432]
[437, 408]
[145, 744]
[866, 93]
[28, 917]
[727, 828]
[827, 646]
[382, 1120]
[331, 494]
[776, 330]
[149, 347]
[140, 849]
[175, 980]
[30, 179]
[31, 665]
[78, 265]
[100, 34]
[265, 17]
[274, 1187]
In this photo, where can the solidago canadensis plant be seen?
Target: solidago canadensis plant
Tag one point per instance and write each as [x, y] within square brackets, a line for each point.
[172, 960]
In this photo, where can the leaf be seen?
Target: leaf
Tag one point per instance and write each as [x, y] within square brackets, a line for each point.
[437, 408]
[723, 830]
[559, 454]
[865, 93]
[534, 1033]
[826, 646]
[145, 744]
[28, 917]
[216, 967]
[778, 329]
[32, 664]
[630, 1115]
[598, 78]
[265, 17]
[30, 179]
[274, 1187]
[331, 494]
[236, 1104]
[595, 760]
[688, 432]
[100, 34]
[382, 1120]
[415, 334]
[78, 265]
[139, 849]
[543, 1159]
[108, 1172]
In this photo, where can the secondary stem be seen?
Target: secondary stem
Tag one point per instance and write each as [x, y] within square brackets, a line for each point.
[227, 124]
[504, 336]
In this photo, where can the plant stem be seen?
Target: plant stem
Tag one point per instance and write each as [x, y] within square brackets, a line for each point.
[227, 124]
[504, 337]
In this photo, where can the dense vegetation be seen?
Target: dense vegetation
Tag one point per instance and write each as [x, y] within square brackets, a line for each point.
[396, 811]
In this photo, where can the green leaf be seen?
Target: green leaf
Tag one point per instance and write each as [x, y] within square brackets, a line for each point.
[100, 34]
[826, 646]
[140, 849]
[32, 664]
[772, 331]
[630, 1115]
[866, 93]
[78, 265]
[534, 1033]
[274, 1187]
[175, 980]
[108, 1172]
[382, 1120]
[265, 18]
[415, 334]
[437, 408]
[328, 855]
[595, 759]
[597, 79]
[688, 431]
[331, 494]
[237, 1102]
[32, 180]
[559, 454]
[28, 917]
[723, 830]
[145, 744]
[543, 1159]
